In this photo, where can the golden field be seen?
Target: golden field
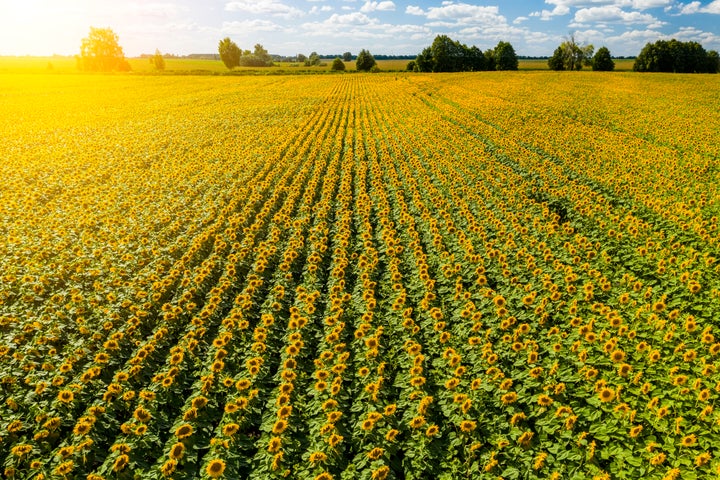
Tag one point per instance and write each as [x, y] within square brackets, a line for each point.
[360, 276]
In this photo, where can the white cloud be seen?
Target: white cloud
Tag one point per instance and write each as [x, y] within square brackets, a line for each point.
[413, 10]
[385, 6]
[264, 7]
[613, 14]
[358, 25]
[696, 7]
[519, 20]
[563, 7]
[249, 26]
[463, 13]
[316, 9]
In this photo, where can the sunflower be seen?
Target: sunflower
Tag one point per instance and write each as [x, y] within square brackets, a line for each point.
[544, 400]
[635, 431]
[517, 418]
[391, 435]
[21, 450]
[168, 468]
[468, 426]
[121, 462]
[317, 457]
[184, 431]
[335, 440]
[66, 396]
[417, 422]
[64, 468]
[375, 453]
[274, 444]
[525, 439]
[509, 398]
[702, 459]
[658, 459]
[432, 430]
[381, 473]
[689, 441]
[215, 468]
[606, 394]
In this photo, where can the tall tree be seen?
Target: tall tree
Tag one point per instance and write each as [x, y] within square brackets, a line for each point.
[365, 61]
[230, 53]
[158, 61]
[571, 56]
[674, 56]
[347, 57]
[101, 52]
[505, 57]
[602, 61]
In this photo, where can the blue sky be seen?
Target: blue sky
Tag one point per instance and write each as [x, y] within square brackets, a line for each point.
[287, 27]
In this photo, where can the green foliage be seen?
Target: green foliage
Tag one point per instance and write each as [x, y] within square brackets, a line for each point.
[230, 53]
[556, 61]
[411, 66]
[258, 58]
[347, 57]
[674, 56]
[365, 61]
[713, 62]
[313, 60]
[338, 65]
[100, 52]
[157, 61]
[505, 57]
[602, 61]
[571, 56]
[447, 55]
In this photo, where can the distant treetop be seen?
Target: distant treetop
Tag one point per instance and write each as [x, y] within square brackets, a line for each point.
[675, 56]
[100, 52]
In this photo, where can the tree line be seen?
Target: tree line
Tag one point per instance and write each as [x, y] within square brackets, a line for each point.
[100, 51]
[448, 55]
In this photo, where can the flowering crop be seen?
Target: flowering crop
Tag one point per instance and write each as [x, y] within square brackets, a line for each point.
[373, 277]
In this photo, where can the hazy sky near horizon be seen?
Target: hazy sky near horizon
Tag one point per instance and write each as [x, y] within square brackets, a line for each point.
[287, 27]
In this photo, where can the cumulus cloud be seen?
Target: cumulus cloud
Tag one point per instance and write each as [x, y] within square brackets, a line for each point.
[248, 26]
[264, 7]
[316, 9]
[414, 10]
[697, 7]
[613, 14]
[385, 6]
[359, 25]
[563, 7]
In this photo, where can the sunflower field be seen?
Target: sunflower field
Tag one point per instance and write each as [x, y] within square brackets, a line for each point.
[386, 276]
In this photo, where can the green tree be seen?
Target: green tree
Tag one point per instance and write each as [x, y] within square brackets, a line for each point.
[365, 61]
[338, 65]
[602, 61]
[674, 56]
[258, 58]
[347, 57]
[505, 57]
[411, 66]
[448, 55]
[158, 61]
[556, 61]
[230, 53]
[313, 60]
[100, 52]
[713, 62]
[571, 56]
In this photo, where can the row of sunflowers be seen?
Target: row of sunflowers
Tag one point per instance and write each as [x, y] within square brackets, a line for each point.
[373, 277]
